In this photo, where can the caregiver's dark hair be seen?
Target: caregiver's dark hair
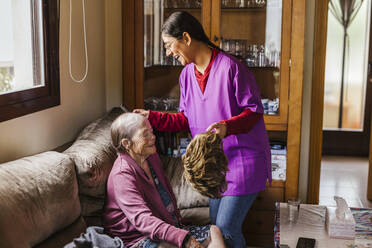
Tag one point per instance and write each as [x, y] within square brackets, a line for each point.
[182, 21]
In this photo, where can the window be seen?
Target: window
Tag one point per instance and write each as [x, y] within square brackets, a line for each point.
[29, 56]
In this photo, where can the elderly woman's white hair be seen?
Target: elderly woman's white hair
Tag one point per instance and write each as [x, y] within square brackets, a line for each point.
[124, 127]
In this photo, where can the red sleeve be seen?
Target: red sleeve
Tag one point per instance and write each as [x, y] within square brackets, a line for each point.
[243, 122]
[168, 122]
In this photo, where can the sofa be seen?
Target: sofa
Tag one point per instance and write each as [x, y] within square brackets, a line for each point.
[48, 199]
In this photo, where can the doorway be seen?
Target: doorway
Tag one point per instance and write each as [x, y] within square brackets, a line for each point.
[347, 104]
[347, 94]
[354, 145]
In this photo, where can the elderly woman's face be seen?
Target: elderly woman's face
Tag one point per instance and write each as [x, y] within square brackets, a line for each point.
[143, 141]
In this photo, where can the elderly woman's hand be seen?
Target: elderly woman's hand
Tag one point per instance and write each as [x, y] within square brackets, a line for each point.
[142, 112]
[220, 129]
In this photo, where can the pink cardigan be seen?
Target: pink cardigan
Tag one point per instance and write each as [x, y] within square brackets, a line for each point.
[134, 209]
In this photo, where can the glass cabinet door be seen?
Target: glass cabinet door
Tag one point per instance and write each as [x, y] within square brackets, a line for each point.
[252, 30]
[155, 13]
[161, 73]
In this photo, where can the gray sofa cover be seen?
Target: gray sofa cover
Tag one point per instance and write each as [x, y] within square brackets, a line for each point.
[38, 197]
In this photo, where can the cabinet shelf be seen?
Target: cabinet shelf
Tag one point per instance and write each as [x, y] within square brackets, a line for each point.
[276, 183]
[275, 123]
[270, 121]
[272, 68]
[182, 9]
[163, 66]
[239, 9]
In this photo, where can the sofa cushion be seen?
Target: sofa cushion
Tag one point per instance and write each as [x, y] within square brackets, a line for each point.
[93, 162]
[196, 216]
[38, 197]
[186, 196]
[64, 236]
[94, 156]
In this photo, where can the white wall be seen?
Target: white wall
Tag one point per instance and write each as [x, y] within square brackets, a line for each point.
[114, 77]
[80, 103]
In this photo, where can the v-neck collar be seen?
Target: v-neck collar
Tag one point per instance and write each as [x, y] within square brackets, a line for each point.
[202, 95]
[138, 168]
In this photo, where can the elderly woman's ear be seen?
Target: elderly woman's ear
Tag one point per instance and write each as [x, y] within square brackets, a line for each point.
[126, 143]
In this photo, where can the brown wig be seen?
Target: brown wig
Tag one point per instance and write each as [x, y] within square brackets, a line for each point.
[206, 165]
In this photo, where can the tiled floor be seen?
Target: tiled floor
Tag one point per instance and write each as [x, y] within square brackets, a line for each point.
[346, 177]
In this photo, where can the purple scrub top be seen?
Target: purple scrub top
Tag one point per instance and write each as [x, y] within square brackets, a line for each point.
[231, 88]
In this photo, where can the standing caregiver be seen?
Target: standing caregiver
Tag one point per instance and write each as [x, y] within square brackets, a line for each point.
[219, 93]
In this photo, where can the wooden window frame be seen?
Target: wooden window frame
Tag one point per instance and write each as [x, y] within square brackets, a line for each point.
[16, 104]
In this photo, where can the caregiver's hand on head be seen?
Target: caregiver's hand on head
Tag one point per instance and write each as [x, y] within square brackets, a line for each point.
[142, 112]
[220, 129]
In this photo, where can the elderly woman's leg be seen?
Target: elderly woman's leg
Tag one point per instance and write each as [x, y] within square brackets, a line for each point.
[148, 243]
[214, 240]
[166, 245]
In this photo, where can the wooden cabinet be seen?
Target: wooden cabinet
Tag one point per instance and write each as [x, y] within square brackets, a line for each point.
[258, 226]
[265, 200]
[271, 30]
[258, 32]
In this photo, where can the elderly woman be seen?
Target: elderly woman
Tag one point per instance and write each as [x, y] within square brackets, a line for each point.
[140, 205]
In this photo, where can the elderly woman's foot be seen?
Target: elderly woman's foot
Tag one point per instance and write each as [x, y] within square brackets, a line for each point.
[216, 238]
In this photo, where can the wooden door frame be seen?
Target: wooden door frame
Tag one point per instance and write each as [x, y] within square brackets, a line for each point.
[296, 78]
[133, 74]
[369, 188]
[317, 100]
[369, 85]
